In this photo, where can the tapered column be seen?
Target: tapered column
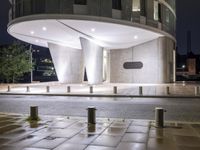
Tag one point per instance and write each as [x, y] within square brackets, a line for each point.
[67, 62]
[93, 61]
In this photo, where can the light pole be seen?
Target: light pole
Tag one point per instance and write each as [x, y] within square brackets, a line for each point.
[183, 67]
[31, 61]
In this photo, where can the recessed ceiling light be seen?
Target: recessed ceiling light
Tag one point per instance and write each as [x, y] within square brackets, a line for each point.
[44, 28]
[93, 29]
[32, 32]
[135, 37]
[36, 41]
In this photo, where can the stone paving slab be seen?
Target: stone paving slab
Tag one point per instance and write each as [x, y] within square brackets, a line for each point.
[49, 142]
[64, 133]
[107, 140]
[90, 147]
[70, 146]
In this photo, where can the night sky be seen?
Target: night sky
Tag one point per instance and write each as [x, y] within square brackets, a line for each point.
[188, 18]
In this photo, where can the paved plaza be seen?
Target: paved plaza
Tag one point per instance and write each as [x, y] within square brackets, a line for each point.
[66, 133]
[119, 124]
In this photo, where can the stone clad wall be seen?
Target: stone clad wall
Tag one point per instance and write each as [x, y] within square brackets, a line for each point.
[157, 59]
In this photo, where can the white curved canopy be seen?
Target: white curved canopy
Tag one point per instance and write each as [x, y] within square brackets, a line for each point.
[67, 32]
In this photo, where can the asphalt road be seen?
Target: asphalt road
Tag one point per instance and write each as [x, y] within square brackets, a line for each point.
[179, 109]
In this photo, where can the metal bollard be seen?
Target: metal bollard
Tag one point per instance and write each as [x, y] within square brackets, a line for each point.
[8, 89]
[34, 113]
[140, 90]
[48, 89]
[91, 89]
[196, 90]
[91, 115]
[27, 89]
[68, 89]
[167, 90]
[159, 117]
[115, 89]
[91, 119]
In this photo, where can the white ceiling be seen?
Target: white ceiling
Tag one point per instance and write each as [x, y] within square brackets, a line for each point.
[67, 32]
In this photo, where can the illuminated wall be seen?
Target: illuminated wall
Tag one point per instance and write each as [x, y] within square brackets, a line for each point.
[157, 63]
[68, 63]
[93, 61]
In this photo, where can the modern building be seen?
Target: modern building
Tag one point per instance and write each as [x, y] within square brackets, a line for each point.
[117, 41]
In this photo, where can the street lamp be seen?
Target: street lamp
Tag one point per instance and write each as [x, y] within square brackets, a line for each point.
[31, 60]
[183, 67]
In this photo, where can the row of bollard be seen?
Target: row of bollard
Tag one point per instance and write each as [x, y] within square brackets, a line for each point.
[68, 89]
[141, 90]
[197, 90]
[91, 117]
[115, 90]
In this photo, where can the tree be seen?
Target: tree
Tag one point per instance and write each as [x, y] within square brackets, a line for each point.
[14, 62]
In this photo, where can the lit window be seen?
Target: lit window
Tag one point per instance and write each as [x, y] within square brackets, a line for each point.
[156, 10]
[136, 5]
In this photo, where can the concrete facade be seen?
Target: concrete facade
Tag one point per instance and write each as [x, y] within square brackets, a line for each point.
[68, 63]
[93, 61]
[156, 57]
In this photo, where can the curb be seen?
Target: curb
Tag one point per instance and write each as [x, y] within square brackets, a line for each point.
[103, 95]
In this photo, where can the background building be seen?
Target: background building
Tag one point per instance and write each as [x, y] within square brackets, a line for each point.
[128, 41]
[188, 66]
[43, 69]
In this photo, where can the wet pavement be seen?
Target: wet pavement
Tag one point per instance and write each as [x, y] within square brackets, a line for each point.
[72, 133]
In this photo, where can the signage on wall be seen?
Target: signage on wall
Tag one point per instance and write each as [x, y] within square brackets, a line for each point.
[133, 65]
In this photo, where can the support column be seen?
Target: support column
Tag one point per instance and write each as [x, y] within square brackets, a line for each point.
[93, 61]
[67, 62]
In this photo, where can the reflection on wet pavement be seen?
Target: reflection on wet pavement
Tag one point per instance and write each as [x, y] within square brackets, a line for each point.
[62, 133]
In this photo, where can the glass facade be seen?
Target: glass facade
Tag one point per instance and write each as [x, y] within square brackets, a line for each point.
[136, 6]
[136, 10]
[116, 4]
[80, 2]
[167, 17]
[143, 7]
[154, 11]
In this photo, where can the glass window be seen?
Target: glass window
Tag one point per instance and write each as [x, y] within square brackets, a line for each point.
[116, 4]
[136, 5]
[52, 6]
[80, 2]
[26, 7]
[38, 6]
[156, 11]
[143, 7]
[159, 12]
[167, 15]
[19, 8]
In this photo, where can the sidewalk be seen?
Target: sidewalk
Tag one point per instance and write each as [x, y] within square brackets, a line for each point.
[66, 133]
[104, 90]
